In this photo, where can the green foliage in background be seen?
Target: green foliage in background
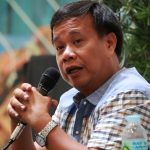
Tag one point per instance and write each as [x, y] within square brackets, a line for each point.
[135, 19]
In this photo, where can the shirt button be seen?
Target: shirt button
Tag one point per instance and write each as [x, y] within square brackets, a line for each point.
[77, 132]
[84, 103]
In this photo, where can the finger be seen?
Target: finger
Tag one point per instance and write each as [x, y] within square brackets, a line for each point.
[16, 104]
[12, 113]
[21, 95]
[26, 87]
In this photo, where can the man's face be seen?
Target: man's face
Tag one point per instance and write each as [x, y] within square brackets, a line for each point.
[83, 57]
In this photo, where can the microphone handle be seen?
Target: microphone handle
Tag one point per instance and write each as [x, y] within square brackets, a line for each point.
[18, 130]
[16, 133]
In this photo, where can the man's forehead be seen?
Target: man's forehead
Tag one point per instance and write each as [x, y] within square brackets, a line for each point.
[79, 19]
[74, 24]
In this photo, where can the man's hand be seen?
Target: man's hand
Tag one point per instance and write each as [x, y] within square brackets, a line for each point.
[28, 105]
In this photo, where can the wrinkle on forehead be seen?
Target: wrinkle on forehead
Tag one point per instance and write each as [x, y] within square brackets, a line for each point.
[75, 23]
[72, 19]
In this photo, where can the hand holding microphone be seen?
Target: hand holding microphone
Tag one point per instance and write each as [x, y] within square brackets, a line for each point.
[27, 101]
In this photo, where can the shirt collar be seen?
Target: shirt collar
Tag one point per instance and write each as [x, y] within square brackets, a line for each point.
[95, 97]
[78, 98]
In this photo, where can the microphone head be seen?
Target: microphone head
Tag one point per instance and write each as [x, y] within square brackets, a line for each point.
[48, 80]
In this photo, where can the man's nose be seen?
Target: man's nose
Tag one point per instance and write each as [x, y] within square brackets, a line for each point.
[69, 54]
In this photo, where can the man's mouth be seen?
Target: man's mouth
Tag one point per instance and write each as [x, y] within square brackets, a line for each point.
[72, 70]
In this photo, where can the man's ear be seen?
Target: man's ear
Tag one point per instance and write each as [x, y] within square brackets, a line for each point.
[111, 42]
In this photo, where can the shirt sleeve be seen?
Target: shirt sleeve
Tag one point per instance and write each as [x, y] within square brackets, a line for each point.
[111, 121]
[56, 116]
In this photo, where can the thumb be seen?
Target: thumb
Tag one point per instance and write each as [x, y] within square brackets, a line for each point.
[54, 103]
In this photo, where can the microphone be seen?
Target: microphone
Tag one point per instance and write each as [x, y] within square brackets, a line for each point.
[47, 81]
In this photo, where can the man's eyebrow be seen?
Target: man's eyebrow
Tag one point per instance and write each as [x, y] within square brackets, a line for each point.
[73, 32]
[55, 39]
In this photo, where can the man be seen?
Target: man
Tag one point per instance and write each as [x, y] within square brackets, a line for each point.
[88, 41]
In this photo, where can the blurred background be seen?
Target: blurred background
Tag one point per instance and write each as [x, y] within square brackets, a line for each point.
[26, 50]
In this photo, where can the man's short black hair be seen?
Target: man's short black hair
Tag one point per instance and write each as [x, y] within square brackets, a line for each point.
[104, 18]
